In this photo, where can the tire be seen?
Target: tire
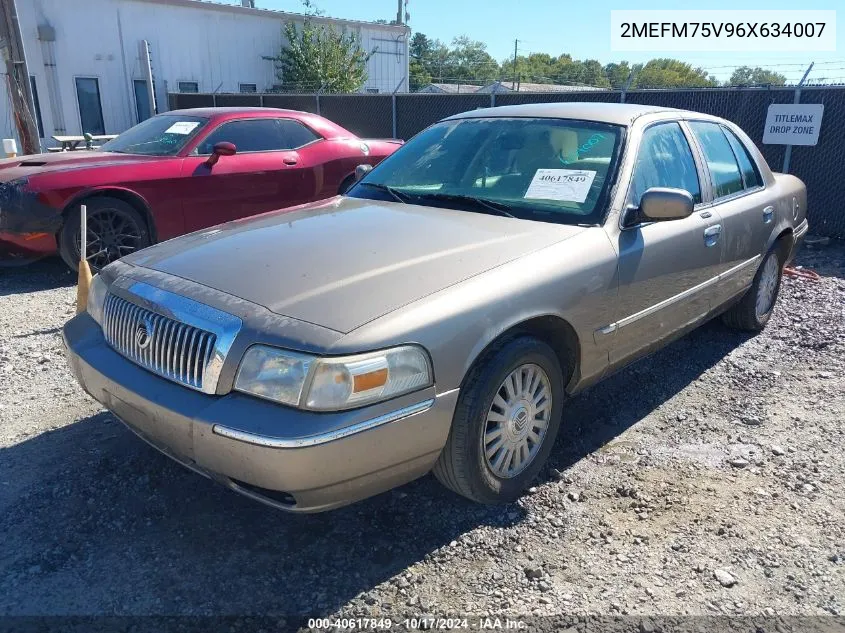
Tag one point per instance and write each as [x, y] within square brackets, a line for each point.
[463, 466]
[114, 221]
[754, 310]
[346, 184]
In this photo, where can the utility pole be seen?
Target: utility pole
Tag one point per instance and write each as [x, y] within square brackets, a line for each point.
[515, 52]
[399, 12]
[17, 77]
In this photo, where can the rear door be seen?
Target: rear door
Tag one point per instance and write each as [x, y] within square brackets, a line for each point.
[263, 175]
[664, 267]
[746, 208]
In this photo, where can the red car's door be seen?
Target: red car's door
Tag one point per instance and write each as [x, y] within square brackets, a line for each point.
[263, 175]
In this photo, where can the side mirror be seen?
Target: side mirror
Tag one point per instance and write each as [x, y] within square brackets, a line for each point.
[223, 148]
[662, 203]
[361, 171]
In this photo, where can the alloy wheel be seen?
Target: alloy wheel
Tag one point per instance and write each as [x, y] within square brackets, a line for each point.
[112, 234]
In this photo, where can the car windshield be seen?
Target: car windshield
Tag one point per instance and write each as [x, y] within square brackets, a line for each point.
[555, 170]
[162, 135]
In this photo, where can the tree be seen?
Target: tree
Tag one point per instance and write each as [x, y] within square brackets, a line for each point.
[420, 50]
[617, 74]
[673, 73]
[468, 60]
[319, 57]
[747, 76]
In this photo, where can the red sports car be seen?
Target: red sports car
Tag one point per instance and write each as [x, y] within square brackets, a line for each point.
[174, 173]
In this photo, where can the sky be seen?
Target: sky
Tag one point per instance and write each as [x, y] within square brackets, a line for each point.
[581, 29]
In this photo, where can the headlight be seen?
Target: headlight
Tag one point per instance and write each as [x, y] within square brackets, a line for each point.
[326, 384]
[96, 298]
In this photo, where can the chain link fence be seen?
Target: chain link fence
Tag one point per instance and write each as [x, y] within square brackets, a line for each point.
[821, 167]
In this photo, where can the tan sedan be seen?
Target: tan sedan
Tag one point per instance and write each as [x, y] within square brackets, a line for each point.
[438, 315]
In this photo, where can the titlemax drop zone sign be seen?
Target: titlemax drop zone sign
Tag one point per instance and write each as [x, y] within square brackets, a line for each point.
[793, 124]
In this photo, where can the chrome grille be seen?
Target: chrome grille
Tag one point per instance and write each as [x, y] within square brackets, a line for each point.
[168, 347]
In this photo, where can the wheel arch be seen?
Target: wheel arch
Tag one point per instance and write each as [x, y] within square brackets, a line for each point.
[552, 329]
[782, 242]
[128, 196]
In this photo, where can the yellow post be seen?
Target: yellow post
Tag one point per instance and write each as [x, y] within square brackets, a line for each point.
[84, 269]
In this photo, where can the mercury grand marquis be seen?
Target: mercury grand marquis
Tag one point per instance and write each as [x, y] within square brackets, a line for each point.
[438, 315]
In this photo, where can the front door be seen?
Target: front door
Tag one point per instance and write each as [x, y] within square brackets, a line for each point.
[263, 175]
[664, 267]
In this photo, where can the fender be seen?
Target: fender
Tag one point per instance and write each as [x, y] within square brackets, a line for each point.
[123, 193]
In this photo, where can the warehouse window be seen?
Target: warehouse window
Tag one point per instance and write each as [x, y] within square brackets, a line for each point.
[37, 104]
[90, 106]
[142, 100]
[372, 91]
[189, 86]
[248, 88]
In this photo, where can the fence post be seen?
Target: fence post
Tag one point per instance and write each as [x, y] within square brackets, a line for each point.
[318, 102]
[626, 86]
[393, 105]
[214, 100]
[787, 154]
[493, 99]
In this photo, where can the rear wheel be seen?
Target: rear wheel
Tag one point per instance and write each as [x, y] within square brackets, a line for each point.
[505, 422]
[115, 229]
[755, 309]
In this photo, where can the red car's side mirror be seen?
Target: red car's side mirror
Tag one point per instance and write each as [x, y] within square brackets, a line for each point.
[223, 148]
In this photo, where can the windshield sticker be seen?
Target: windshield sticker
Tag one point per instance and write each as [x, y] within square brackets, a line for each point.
[182, 127]
[566, 185]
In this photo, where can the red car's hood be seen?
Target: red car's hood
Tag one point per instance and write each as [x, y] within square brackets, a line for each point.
[22, 166]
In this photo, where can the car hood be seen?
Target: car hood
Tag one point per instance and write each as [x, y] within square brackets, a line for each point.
[24, 166]
[346, 261]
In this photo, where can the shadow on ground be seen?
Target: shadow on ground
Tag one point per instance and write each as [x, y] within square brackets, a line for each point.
[45, 274]
[107, 525]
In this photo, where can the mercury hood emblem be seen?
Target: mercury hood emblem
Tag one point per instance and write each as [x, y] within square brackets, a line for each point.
[143, 334]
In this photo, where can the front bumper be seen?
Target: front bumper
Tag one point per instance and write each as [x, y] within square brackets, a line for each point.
[20, 248]
[295, 460]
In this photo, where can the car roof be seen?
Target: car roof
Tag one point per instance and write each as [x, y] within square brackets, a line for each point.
[323, 126]
[234, 111]
[616, 113]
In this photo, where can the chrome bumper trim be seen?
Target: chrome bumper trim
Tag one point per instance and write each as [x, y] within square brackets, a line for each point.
[314, 440]
[801, 229]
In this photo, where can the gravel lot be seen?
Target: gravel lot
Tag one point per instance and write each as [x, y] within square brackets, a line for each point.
[707, 479]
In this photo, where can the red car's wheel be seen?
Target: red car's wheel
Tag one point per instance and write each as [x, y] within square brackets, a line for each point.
[115, 229]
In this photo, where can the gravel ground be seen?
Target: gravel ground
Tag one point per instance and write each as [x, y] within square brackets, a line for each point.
[706, 479]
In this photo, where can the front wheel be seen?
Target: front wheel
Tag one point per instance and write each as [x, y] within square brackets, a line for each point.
[505, 422]
[115, 229]
[754, 310]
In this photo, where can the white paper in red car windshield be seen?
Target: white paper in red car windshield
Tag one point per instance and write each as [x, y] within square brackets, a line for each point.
[182, 127]
[565, 185]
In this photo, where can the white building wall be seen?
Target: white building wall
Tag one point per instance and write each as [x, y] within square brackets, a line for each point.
[218, 46]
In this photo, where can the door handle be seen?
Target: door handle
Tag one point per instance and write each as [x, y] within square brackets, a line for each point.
[290, 161]
[712, 235]
[768, 213]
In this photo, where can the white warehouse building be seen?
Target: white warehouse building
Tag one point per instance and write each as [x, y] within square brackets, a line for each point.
[89, 61]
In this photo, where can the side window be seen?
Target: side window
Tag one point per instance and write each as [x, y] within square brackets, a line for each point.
[664, 160]
[255, 135]
[720, 158]
[296, 134]
[746, 164]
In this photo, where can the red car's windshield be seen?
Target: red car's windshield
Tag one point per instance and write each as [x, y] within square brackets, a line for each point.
[162, 135]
